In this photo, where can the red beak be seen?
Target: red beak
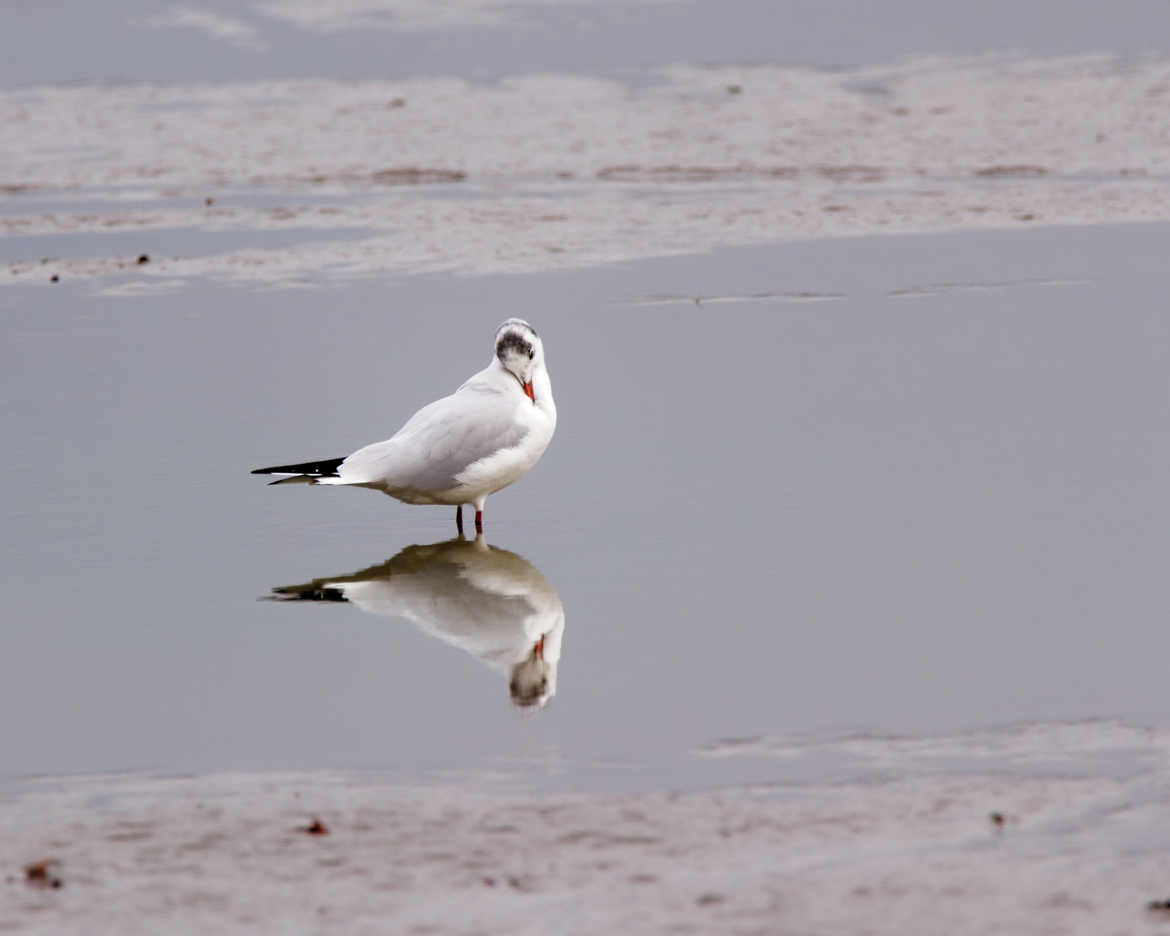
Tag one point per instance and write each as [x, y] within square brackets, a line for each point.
[538, 649]
[528, 391]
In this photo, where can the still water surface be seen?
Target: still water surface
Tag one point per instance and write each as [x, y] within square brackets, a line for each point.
[126, 41]
[935, 499]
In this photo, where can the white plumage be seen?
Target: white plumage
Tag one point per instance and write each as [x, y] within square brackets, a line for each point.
[462, 448]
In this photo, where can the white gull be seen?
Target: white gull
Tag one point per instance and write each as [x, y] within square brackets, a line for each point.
[462, 448]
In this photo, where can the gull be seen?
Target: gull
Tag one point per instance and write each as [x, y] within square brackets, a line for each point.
[462, 448]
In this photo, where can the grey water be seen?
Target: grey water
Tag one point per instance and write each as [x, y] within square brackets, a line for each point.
[935, 502]
[123, 41]
[163, 242]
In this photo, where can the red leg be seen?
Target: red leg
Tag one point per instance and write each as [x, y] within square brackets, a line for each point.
[459, 519]
[479, 522]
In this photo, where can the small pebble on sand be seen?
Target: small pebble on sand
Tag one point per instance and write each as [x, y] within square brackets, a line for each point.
[43, 873]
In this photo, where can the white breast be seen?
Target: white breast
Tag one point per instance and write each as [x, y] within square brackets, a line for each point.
[501, 468]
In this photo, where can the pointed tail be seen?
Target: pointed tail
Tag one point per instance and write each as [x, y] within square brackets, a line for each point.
[312, 591]
[304, 473]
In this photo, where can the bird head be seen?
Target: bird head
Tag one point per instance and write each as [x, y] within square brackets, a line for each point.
[520, 352]
[534, 679]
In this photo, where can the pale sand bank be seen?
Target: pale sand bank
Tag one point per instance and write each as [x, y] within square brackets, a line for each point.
[552, 172]
[1082, 849]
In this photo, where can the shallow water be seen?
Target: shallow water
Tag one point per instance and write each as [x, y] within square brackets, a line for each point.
[141, 40]
[164, 242]
[932, 501]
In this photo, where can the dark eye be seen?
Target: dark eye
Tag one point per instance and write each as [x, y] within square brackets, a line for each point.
[531, 353]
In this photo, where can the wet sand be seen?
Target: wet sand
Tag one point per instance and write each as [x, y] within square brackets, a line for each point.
[1027, 841]
[550, 172]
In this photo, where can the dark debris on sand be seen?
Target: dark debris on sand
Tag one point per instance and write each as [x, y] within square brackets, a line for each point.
[44, 873]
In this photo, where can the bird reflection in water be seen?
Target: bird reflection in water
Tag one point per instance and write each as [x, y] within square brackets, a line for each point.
[490, 602]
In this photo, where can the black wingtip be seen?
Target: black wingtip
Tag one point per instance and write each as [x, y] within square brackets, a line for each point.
[310, 592]
[314, 469]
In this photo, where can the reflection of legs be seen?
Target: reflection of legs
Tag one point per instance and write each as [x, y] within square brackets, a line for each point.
[479, 522]
[459, 519]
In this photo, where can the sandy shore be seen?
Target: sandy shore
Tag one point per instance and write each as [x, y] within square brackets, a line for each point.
[1048, 848]
[549, 172]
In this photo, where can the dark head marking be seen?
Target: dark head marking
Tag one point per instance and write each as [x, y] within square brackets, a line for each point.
[529, 695]
[515, 342]
[518, 322]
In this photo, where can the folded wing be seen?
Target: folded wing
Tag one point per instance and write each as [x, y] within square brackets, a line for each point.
[438, 444]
